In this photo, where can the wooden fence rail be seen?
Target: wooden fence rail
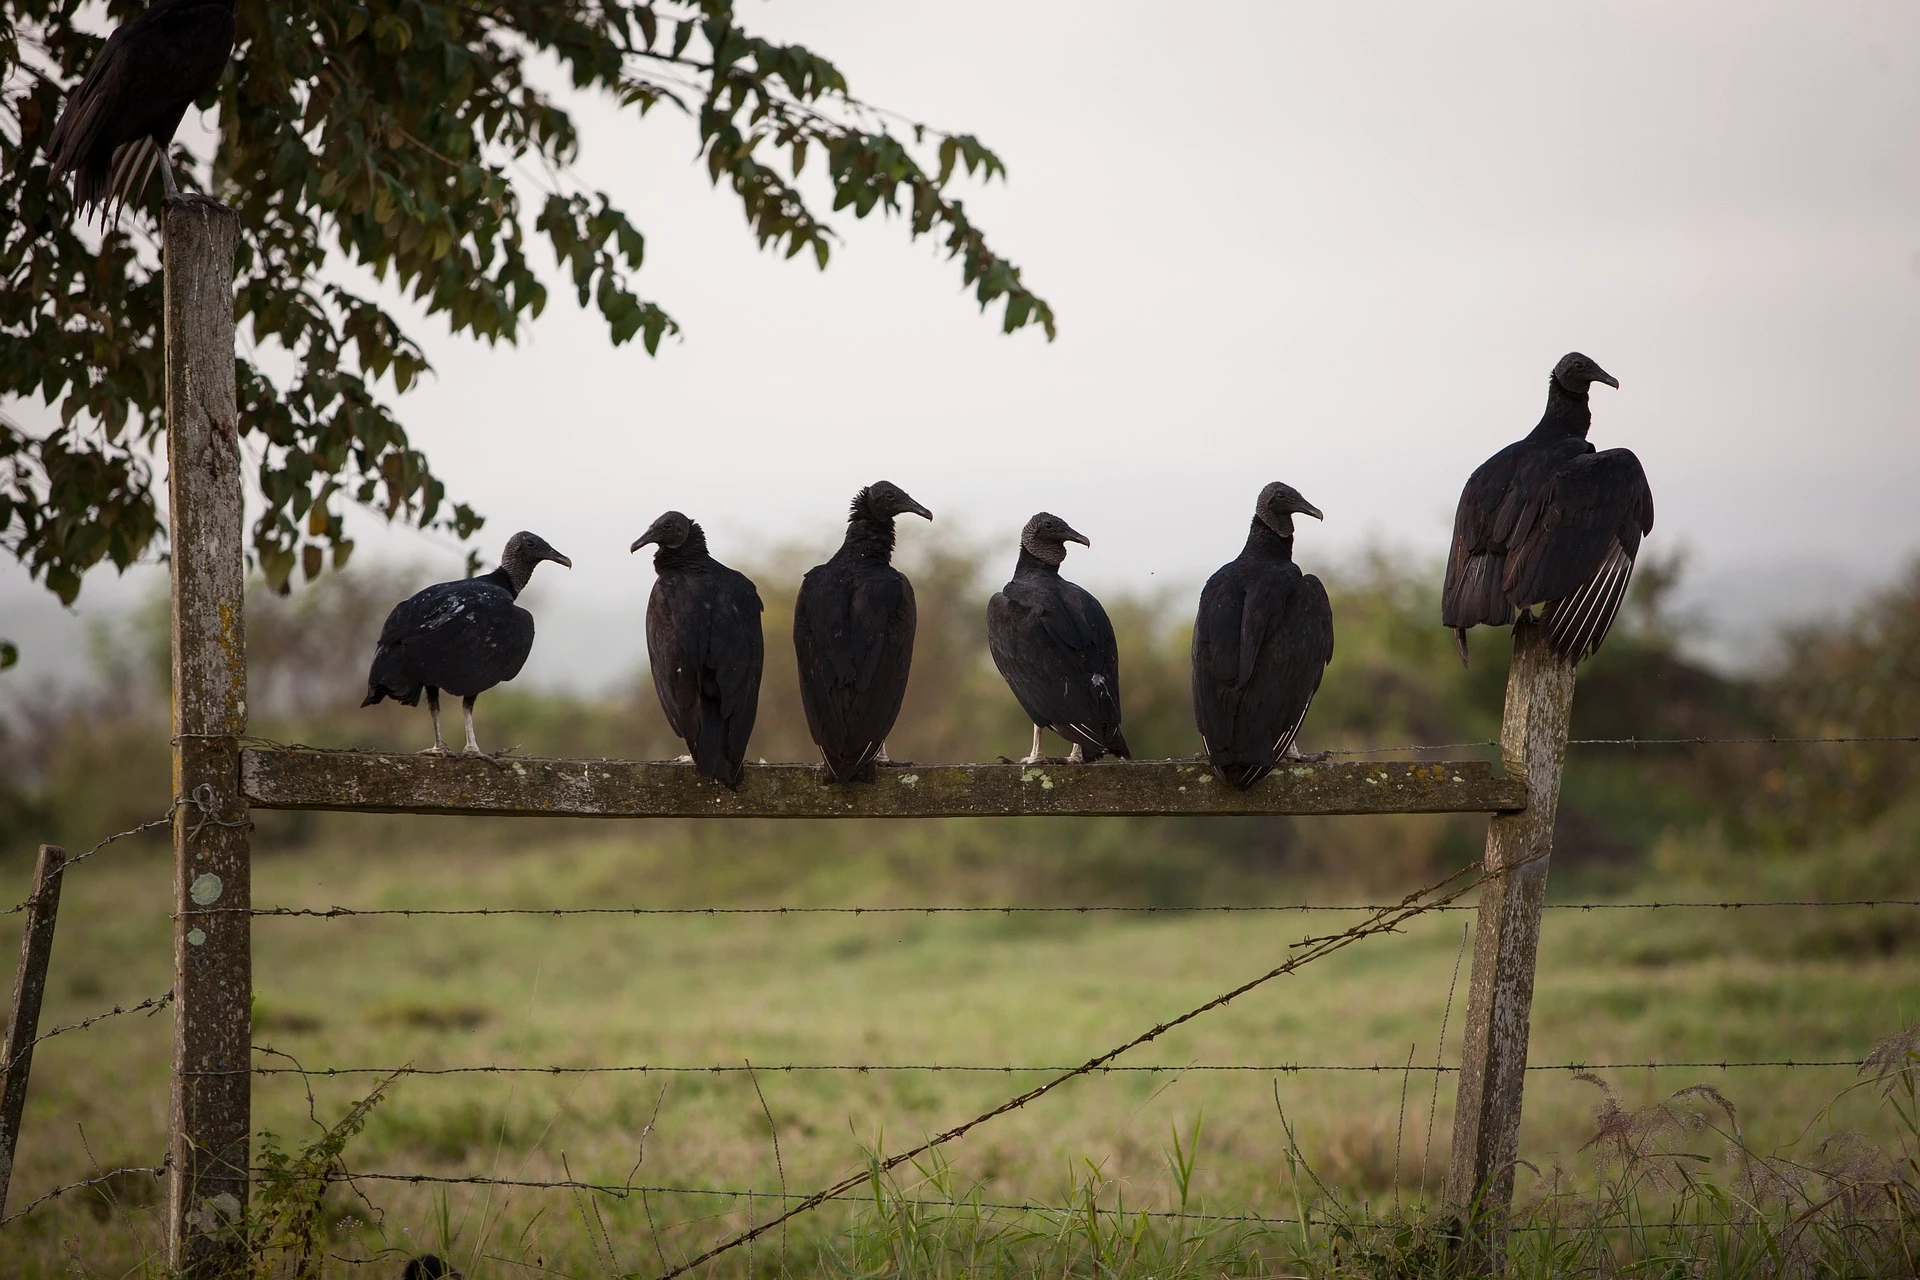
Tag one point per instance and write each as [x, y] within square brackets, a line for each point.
[216, 782]
[368, 782]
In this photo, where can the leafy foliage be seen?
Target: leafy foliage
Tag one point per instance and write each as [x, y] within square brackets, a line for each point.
[288, 1200]
[396, 135]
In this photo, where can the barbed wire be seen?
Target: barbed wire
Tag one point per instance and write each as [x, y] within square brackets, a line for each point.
[880, 1068]
[1774, 740]
[161, 821]
[154, 1003]
[1301, 908]
[1307, 950]
[81, 1185]
[203, 799]
[621, 1190]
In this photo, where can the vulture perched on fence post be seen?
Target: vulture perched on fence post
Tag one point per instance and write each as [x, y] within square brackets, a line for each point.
[1054, 645]
[853, 634]
[1261, 642]
[705, 647]
[464, 637]
[115, 129]
[1548, 523]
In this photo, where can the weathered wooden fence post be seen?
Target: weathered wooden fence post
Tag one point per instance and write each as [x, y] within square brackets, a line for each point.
[29, 985]
[212, 933]
[1506, 940]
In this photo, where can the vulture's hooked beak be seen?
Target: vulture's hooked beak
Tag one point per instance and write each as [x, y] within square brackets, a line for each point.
[641, 541]
[561, 560]
[1308, 509]
[919, 510]
[1607, 378]
[1074, 535]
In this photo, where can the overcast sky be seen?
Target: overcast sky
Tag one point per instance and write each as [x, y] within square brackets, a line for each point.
[1338, 244]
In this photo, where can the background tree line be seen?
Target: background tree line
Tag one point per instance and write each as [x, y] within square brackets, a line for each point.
[74, 766]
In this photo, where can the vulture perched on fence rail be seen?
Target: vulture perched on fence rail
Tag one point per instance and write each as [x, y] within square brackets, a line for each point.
[464, 637]
[1261, 642]
[853, 634]
[1548, 523]
[115, 129]
[705, 647]
[1054, 645]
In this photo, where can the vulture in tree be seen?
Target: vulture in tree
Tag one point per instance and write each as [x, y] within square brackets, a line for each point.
[464, 637]
[114, 131]
[853, 633]
[1261, 642]
[704, 645]
[1547, 523]
[1054, 644]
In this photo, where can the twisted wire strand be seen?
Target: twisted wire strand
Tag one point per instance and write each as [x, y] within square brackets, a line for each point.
[877, 1068]
[1300, 908]
[81, 1185]
[621, 1190]
[203, 800]
[161, 821]
[153, 1003]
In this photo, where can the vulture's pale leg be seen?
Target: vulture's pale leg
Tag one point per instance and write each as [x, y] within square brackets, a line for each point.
[1077, 755]
[473, 747]
[881, 756]
[686, 759]
[166, 177]
[439, 747]
[1034, 756]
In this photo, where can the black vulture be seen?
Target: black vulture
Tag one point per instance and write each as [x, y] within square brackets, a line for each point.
[1549, 523]
[704, 645]
[1261, 642]
[464, 637]
[114, 131]
[853, 633]
[1054, 644]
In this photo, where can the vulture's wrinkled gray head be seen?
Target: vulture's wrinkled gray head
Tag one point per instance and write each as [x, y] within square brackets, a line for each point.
[669, 533]
[525, 550]
[1046, 537]
[883, 500]
[1577, 372]
[1277, 506]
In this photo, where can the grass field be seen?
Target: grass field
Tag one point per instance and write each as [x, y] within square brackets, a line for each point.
[1615, 986]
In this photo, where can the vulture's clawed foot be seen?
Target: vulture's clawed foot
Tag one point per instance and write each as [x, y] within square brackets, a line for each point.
[686, 759]
[193, 200]
[1292, 756]
[498, 759]
[437, 749]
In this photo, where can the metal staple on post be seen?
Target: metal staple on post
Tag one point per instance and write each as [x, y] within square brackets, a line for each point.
[212, 957]
[1493, 1063]
[29, 985]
